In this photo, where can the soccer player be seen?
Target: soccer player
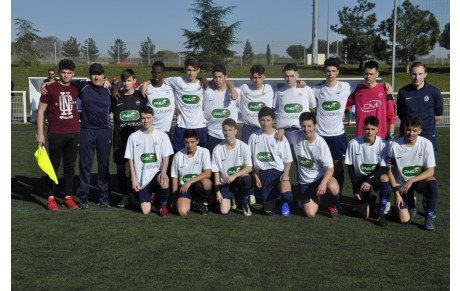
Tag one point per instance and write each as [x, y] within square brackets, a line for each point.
[218, 105]
[314, 167]
[252, 98]
[411, 161]
[366, 159]
[126, 118]
[63, 131]
[371, 99]
[148, 152]
[420, 99]
[272, 161]
[231, 165]
[191, 173]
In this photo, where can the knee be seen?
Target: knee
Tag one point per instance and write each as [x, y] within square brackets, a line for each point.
[384, 178]
[182, 212]
[205, 184]
[310, 214]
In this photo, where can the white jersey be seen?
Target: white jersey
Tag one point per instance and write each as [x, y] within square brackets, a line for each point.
[227, 162]
[218, 105]
[331, 103]
[313, 159]
[250, 102]
[365, 158]
[410, 161]
[189, 100]
[147, 152]
[185, 168]
[268, 152]
[290, 103]
[162, 101]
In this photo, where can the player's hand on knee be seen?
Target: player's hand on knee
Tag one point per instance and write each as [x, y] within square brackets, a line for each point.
[358, 196]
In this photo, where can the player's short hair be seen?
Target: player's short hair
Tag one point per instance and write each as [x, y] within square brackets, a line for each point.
[190, 132]
[372, 120]
[146, 110]
[66, 64]
[332, 62]
[191, 61]
[229, 122]
[126, 74]
[413, 121]
[219, 68]
[307, 116]
[371, 65]
[159, 64]
[257, 69]
[290, 67]
[266, 111]
[51, 70]
[418, 64]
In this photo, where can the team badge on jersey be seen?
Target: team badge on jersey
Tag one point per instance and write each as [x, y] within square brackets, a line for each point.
[426, 98]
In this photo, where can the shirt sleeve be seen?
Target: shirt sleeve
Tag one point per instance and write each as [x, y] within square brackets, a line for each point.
[206, 159]
[391, 116]
[247, 160]
[45, 98]
[129, 147]
[349, 154]
[439, 103]
[400, 104]
[174, 165]
[311, 98]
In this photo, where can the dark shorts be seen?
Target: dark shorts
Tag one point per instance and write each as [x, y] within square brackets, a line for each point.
[409, 196]
[337, 145]
[366, 197]
[247, 131]
[212, 142]
[191, 194]
[270, 180]
[307, 192]
[145, 193]
[178, 141]
[229, 191]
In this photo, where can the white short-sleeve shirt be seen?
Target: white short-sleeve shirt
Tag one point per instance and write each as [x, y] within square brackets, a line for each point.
[161, 99]
[227, 162]
[365, 158]
[185, 168]
[218, 105]
[268, 152]
[250, 102]
[290, 102]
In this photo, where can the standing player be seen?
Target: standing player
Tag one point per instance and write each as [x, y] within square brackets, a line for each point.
[371, 99]
[420, 99]
[231, 164]
[148, 152]
[252, 98]
[314, 167]
[272, 161]
[191, 173]
[366, 159]
[63, 131]
[126, 118]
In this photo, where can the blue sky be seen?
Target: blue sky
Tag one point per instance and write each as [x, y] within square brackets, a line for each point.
[280, 23]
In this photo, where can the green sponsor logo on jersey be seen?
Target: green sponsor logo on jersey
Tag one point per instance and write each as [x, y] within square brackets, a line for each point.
[304, 162]
[367, 168]
[129, 115]
[331, 105]
[188, 177]
[293, 108]
[220, 113]
[161, 102]
[149, 158]
[190, 99]
[265, 157]
[412, 171]
[255, 106]
[234, 170]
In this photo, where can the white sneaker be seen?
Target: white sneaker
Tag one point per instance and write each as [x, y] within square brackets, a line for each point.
[252, 199]
[387, 207]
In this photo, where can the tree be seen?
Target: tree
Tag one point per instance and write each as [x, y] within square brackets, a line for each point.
[118, 51]
[24, 44]
[166, 55]
[90, 50]
[296, 52]
[45, 45]
[147, 51]
[268, 55]
[211, 43]
[358, 26]
[444, 38]
[248, 54]
[71, 49]
[417, 32]
[322, 47]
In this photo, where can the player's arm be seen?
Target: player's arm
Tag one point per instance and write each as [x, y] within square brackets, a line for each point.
[246, 170]
[217, 187]
[204, 175]
[231, 86]
[163, 174]
[323, 185]
[398, 200]
[388, 88]
[257, 179]
[145, 88]
[354, 181]
[279, 135]
[391, 117]
[115, 93]
[285, 175]
[174, 188]
[370, 178]
[134, 183]
[40, 119]
[424, 175]
[439, 106]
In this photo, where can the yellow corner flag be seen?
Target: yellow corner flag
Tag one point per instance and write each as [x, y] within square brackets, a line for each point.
[44, 163]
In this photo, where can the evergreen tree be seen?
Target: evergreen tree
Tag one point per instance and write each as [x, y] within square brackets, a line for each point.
[444, 38]
[118, 51]
[90, 50]
[296, 52]
[268, 54]
[71, 49]
[45, 45]
[248, 54]
[147, 51]
[24, 44]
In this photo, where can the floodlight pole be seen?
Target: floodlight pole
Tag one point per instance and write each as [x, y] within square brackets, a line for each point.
[328, 28]
[393, 63]
[315, 33]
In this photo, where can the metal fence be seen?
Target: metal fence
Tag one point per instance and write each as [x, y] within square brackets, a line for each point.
[18, 106]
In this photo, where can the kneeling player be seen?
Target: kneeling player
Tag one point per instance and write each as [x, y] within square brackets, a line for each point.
[231, 165]
[148, 150]
[314, 167]
[191, 173]
[366, 156]
[272, 162]
[411, 162]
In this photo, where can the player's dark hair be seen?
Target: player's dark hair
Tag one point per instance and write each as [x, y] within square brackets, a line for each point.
[414, 121]
[257, 69]
[417, 64]
[191, 61]
[51, 70]
[159, 64]
[371, 65]
[290, 67]
[307, 116]
[126, 74]
[372, 120]
[229, 122]
[146, 110]
[66, 64]
[219, 68]
[332, 62]
[266, 111]
[190, 132]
